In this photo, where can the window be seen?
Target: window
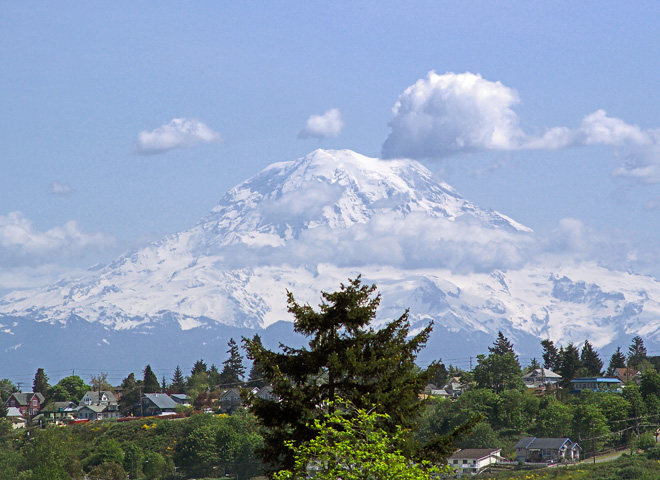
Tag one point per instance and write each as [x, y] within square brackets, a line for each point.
[464, 462]
[34, 402]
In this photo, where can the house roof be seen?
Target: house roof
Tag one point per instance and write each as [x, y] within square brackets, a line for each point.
[542, 372]
[596, 379]
[59, 407]
[161, 400]
[626, 372]
[94, 396]
[93, 408]
[476, 453]
[23, 398]
[14, 412]
[182, 397]
[538, 443]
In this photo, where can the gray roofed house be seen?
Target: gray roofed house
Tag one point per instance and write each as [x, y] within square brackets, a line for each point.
[544, 450]
[474, 460]
[98, 412]
[540, 376]
[98, 398]
[157, 404]
[180, 398]
[29, 403]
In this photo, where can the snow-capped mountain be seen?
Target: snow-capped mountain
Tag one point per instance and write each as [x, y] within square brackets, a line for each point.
[310, 224]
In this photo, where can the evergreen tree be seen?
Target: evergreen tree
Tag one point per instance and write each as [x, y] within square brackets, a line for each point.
[214, 377]
[636, 351]
[590, 360]
[534, 364]
[233, 370]
[498, 372]
[501, 346]
[617, 360]
[346, 358]
[199, 367]
[550, 355]
[163, 384]
[40, 383]
[131, 393]
[150, 381]
[256, 375]
[178, 382]
[569, 363]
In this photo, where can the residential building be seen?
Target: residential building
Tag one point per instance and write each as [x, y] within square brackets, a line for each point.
[28, 403]
[628, 374]
[230, 400]
[58, 411]
[180, 398]
[99, 398]
[547, 450]
[540, 377]
[266, 393]
[157, 404]
[98, 412]
[474, 460]
[596, 384]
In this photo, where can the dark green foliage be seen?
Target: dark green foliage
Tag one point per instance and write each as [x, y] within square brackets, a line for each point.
[617, 360]
[199, 367]
[650, 385]
[178, 381]
[7, 387]
[346, 358]
[636, 351]
[131, 393]
[550, 355]
[498, 372]
[69, 389]
[590, 360]
[150, 381]
[256, 376]
[501, 346]
[569, 363]
[233, 370]
[440, 375]
[40, 382]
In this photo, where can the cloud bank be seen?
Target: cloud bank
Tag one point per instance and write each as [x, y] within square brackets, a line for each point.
[178, 133]
[444, 115]
[22, 244]
[330, 124]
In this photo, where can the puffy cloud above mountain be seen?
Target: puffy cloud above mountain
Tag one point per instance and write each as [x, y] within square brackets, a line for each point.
[443, 115]
[330, 124]
[22, 243]
[178, 133]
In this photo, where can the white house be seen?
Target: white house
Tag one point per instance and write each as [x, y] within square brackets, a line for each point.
[539, 377]
[474, 460]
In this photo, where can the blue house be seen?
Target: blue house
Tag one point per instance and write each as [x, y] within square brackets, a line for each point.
[596, 384]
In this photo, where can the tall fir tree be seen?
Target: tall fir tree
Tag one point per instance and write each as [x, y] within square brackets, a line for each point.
[569, 363]
[40, 383]
[346, 359]
[636, 351]
[256, 375]
[550, 355]
[150, 381]
[501, 346]
[178, 381]
[233, 370]
[617, 360]
[131, 393]
[199, 367]
[590, 360]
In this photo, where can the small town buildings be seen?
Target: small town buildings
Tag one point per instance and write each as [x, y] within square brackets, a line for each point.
[454, 387]
[474, 460]
[266, 393]
[628, 374]
[230, 400]
[180, 399]
[596, 384]
[540, 377]
[28, 403]
[16, 417]
[157, 404]
[58, 411]
[547, 450]
[98, 398]
[98, 412]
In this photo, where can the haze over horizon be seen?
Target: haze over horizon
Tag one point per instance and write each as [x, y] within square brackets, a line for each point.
[126, 123]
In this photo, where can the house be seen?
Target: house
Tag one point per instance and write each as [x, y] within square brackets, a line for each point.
[266, 393]
[28, 403]
[596, 384]
[180, 398]
[98, 412]
[540, 377]
[628, 374]
[99, 398]
[16, 417]
[474, 460]
[454, 387]
[547, 450]
[230, 400]
[58, 411]
[157, 404]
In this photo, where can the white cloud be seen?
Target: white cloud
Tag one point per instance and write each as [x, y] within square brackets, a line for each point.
[61, 189]
[21, 243]
[444, 115]
[178, 133]
[330, 124]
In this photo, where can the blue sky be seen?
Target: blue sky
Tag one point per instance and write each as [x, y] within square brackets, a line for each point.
[125, 122]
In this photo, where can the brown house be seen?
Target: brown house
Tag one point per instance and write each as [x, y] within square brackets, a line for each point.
[28, 403]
